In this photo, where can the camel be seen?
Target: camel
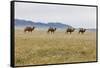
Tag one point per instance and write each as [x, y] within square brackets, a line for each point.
[70, 30]
[82, 30]
[29, 29]
[52, 30]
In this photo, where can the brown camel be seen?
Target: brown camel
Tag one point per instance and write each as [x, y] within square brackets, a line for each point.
[82, 30]
[52, 30]
[70, 30]
[29, 29]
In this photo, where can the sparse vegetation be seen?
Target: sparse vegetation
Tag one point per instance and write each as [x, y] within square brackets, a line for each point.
[39, 47]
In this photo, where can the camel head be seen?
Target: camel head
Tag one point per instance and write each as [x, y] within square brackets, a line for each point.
[55, 29]
[33, 27]
[73, 29]
[85, 29]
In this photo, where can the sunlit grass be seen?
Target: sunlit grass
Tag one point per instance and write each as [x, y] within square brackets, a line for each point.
[39, 47]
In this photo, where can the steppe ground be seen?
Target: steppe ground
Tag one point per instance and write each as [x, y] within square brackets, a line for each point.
[39, 47]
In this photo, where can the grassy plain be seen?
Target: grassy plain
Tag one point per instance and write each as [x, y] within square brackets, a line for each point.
[39, 47]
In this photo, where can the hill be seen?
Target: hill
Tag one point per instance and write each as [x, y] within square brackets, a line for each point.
[23, 23]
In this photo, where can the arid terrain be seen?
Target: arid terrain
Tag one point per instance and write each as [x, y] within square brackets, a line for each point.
[39, 47]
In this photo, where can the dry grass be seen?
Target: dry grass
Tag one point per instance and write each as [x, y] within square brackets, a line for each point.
[39, 47]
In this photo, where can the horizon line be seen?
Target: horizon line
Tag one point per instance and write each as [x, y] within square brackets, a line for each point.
[52, 22]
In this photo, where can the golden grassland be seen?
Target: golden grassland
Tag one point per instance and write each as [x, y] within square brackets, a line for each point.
[39, 47]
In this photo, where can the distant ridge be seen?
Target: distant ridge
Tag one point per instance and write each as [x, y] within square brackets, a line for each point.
[23, 23]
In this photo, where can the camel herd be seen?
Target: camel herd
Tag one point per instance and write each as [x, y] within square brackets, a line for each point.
[52, 30]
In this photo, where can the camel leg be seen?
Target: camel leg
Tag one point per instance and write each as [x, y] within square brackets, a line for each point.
[31, 31]
[48, 32]
[82, 32]
[51, 32]
[66, 32]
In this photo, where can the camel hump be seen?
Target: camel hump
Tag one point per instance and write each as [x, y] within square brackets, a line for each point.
[82, 29]
[28, 27]
[70, 29]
